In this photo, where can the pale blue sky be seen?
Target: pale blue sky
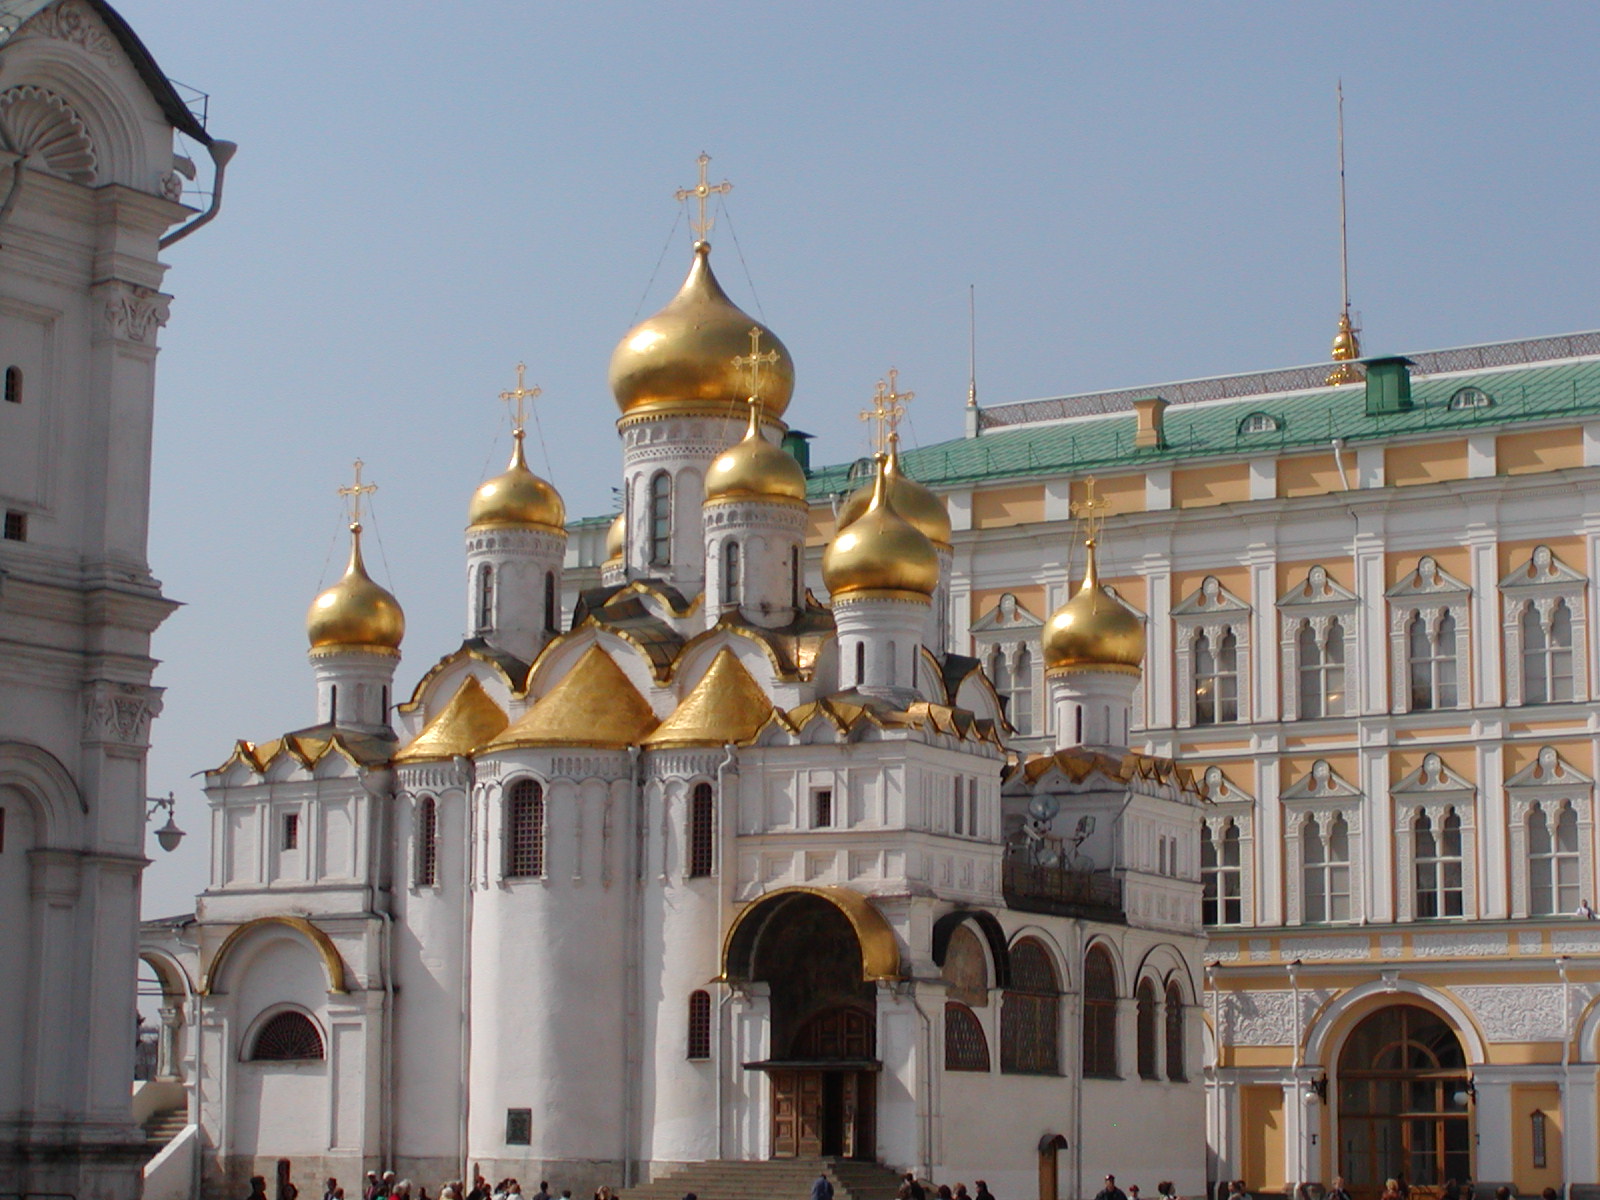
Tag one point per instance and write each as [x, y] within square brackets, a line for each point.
[425, 193]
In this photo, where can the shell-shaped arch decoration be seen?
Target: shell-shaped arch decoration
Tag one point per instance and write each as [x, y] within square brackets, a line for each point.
[44, 129]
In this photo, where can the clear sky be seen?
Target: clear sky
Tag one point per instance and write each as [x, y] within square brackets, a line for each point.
[425, 194]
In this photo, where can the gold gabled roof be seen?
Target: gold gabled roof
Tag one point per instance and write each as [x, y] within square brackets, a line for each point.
[1077, 764]
[309, 749]
[727, 705]
[594, 705]
[847, 713]
[469, 720]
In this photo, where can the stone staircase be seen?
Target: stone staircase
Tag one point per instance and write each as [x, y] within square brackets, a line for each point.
[161, 1127]
[773, 1179]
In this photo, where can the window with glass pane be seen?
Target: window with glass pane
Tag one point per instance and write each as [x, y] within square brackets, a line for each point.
[1325, 857]
[485, 598]
[1099, 1014]
[1145, 1015]
[1321, 671]
[1176, 1070]
[660, 520]
[1216, 679]
[1221, 877]
[1431, 656]
[730, 573]
[1546, 654]
[1022, 694]
[1437, 847]
[1553, 885]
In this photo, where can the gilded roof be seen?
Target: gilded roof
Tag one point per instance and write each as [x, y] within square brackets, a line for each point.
[594, 705]
[727, 705]
[310, 746]
[848, 711]
[1078, 763]
[469, 720]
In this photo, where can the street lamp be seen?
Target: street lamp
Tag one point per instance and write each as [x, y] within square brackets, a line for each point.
[169, 835]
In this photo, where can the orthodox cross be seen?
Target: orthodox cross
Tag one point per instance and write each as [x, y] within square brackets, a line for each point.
[888, 406]
[754, 361]
[702, 192]
[1091, 509]
[520, 394]
[355, 491]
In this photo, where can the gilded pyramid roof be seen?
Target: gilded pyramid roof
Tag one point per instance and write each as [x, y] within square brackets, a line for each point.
[595, 704]
[727, 705]
[469, 720]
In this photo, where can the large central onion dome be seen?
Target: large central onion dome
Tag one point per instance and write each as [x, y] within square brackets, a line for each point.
[880, 551]
[517, 498]
[1092, 630]
[355, 613]
[916, 503]
[755, 469]
[682, 359]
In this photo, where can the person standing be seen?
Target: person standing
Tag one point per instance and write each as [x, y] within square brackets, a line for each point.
[1111, 1191]
[258, 1188]
[822, 1189]
[983, 1191]
[1337, 1192]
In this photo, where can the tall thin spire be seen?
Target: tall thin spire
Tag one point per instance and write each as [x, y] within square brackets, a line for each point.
[1346, 343]
[972, 345]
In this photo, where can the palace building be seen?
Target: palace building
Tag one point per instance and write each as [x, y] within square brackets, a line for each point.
[673, 862]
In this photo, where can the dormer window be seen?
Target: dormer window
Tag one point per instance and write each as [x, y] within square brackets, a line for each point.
[1469, 397]
[1259, 422]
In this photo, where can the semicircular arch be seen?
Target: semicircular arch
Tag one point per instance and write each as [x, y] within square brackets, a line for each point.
[1333, 1022]
[49, 786]
[332, 963]
[880, 949]
[988, 926]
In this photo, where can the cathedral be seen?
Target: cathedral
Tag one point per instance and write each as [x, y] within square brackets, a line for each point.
[682, 863]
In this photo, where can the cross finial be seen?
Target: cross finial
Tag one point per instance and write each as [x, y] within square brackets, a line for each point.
[888, 406]
[355, 491]
[521, 394]
[1091, 509]
[702, 192]
[754, 362]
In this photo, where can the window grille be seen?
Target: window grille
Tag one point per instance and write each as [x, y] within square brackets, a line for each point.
[525, 830]
[702, 831]
[1030, 1021]
[1099, 1014]
[699, 1040]
[287, 1037]
[427, 842]
[1177, 1071]
[1145, 1015]
[660, 520]
[965, 1047]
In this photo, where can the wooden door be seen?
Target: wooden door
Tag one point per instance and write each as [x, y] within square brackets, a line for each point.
[809, 1114]
[850, 1114]
[797, 1112]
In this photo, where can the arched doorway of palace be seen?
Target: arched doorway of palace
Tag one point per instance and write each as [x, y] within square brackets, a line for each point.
[821, 952]
[1403, 1102]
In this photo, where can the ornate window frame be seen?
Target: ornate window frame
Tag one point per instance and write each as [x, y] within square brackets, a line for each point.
[1432, 592]
[1318, 601]
[1211, 610]
[1231, 804]
[1433, 790]
[1548, 781]
[1540, 583]
[1008, 629]
[1321, 794]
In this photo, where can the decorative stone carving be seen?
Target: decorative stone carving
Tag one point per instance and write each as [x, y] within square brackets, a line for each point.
[1460, 945]
[72, 22]
[133, 312]
[1516, 1012]
[1266, 1018]
[45, 130]
[120, 713]
[1326, 949]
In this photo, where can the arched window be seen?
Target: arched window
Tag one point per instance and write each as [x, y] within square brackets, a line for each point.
[699, 1039]
[1176, 1070]
[1099, 1014]
[1216, 679]
[1431, 658]
[286, 1037]
[965, 1047]
[1469, 397]
[1259, 422]
[966, 969]
[1000, 672]
[13, 385]
[485, 598]
[427, 842]
[333, 704]
[730, 572]
[660, 519]
[702, 830]
[1326, 870]
[552, 614]
[794, 576]
[1321, 670]
[1546, 654]
[1437, 846]
[1553, 860]
[1021, 713]
[958, 823]
[861, 663]
[1149, 1061]
[524, 830]
[1030, 1021]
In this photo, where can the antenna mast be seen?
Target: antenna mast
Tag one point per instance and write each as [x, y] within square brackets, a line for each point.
[1346, 345]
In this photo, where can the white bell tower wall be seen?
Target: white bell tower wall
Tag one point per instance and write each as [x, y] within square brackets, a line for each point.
[514, 587]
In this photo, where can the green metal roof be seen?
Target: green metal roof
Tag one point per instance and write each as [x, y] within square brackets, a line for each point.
[1206, 430]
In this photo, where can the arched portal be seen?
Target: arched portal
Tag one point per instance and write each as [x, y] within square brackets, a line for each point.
[820, 952]
[1403, 1101]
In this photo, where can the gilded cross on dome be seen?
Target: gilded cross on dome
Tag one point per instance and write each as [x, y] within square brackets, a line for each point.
[1091, 509]
[754, 362]
[521, 394]
[355, 491]
[888, 406]
[702, 192]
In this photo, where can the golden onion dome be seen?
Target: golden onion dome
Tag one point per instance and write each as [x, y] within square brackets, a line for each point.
[517, 497]
[616, 538]
[880, 551]
[1346, 345]
[355, 613]
[1092, 630]
[918, 504]
[682, 359]
[755, 469]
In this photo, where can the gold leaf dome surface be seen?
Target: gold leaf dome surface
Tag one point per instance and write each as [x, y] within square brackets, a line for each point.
[616, 538]
[1093, 630]
[880, 551]
[516, 497]
[917, 504]
[355, 613]
[681, 359]
[755, 469]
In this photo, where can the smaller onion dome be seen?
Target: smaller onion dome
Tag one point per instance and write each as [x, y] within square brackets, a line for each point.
[517, 498]
[755, 469]
[1091, 630]
[880, 551]
[355, 613]
[916, 503]
[616, 538]
[681, 360]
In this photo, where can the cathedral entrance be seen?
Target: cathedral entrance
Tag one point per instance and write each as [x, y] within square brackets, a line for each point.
[821, 952]
[1403, 1102]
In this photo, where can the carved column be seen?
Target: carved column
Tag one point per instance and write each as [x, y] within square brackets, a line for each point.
[167, 1069]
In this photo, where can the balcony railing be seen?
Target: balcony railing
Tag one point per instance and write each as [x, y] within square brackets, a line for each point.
[1035, 888]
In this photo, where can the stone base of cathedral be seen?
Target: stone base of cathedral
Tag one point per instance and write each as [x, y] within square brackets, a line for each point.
[46, 1159]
